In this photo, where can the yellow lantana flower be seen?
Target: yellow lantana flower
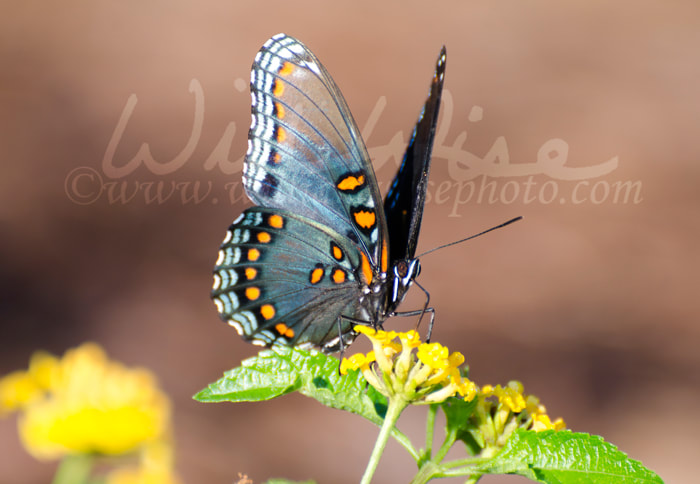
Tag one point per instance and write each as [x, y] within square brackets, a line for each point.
[17, 390]
[511, 396]
[84, 403]
[541, 421]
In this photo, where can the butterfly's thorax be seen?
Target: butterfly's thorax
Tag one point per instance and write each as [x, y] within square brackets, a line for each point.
[372, 296]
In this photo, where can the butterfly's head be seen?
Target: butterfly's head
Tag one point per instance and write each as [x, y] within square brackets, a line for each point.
[404, 272]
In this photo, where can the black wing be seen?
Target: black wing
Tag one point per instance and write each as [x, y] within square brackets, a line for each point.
[404, 202]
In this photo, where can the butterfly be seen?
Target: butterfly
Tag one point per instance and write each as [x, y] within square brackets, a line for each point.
[319, 252]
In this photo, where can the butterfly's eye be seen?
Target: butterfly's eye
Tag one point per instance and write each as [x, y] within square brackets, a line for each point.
[401, 269]
[407, 270]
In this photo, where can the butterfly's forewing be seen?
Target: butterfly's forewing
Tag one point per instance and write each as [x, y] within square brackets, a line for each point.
[404, 202]
[284, 279]
[305, 153]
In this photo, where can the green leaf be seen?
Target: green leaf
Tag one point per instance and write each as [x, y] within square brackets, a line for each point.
[457, 413]
[283, 370]
[566, 457]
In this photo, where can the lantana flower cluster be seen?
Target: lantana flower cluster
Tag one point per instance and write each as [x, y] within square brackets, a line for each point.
[400, 364]
[500, 410]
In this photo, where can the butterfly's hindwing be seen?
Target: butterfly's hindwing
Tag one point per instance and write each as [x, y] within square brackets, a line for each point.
[284, 279]
[305, 154]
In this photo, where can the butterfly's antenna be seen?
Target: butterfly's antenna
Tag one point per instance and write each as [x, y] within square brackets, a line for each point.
[471, 236]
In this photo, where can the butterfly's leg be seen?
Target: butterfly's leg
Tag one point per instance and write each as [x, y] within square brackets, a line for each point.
[341, 340]
[419, 312]
[341, 343]
[361, 322]
[430, 324]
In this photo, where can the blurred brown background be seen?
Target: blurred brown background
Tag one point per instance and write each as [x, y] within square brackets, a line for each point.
[592, 305]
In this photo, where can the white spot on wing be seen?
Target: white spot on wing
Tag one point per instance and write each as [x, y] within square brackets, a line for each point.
[236, 326]
[246, 320]
[313, 67]
[219, 305]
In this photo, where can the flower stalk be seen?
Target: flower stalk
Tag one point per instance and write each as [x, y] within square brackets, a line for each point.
[396, 406]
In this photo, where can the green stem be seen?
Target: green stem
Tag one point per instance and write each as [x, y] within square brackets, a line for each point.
[429, 431]
[73, 469]
[403, 440]
[396, 406]
[429, 470]
[472, 476]
[446, 446]
[469, 461]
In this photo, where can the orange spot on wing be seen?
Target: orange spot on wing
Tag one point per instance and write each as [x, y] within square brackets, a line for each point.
[316, 275]
[281, 134]
[365, 219]
[264, 237]
[277, 88]
[279, 109]
[275, 221]
[350, 183]
[253, 254]
[252, 293]
[338, 276]
[366, 270]
[284, 330]
[276, 157]
[286, 69]
[385, 256]
[250, 273]
[267, 311]
[337, 252]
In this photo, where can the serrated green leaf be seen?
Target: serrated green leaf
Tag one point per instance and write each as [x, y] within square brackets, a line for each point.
[566, 457]
[262, 377]
[279, 371]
